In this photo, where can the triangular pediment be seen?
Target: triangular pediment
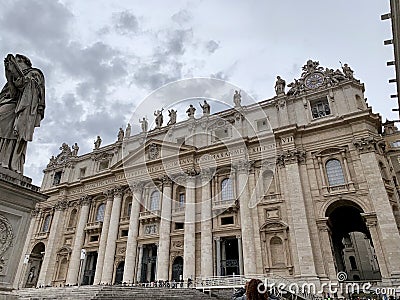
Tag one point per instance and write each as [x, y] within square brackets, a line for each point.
[153, 150]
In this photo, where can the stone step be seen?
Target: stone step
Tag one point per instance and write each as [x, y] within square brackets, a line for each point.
[111, 293]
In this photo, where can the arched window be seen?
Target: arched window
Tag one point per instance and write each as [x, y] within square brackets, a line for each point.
[353, 263]
[128, 209]
[268, 176]
[154, 200]
[334, 172]
[72, 218]
[100, 213]
[226, 189]
[62, 271]
[46, 224]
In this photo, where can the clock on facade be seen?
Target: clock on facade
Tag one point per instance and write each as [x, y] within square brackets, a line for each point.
[314, 80]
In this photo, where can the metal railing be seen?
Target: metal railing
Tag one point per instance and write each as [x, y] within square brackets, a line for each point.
[238, 281]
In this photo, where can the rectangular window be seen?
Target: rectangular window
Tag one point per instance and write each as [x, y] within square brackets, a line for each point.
[220, 134]
[94, 238]
[57, 178]
[82, 172]
[103, 165]
[180, 141]
[262, 125]
[179, 225]
[320, 108]
[227, 220]
[124, 232]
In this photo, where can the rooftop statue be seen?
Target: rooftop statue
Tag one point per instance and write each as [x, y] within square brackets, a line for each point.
[22, 105]
[206, 108]
[190, 111]
[172, 117]
[145, 124]
[159, 119]
[128, 130]
[97, 143]
[237, 99]
[280, 86]
[75, 149]
[120, 135]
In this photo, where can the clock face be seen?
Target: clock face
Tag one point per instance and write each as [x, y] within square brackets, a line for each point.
[314, 80]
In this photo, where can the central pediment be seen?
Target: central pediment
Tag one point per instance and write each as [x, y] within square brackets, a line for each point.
[152, 151]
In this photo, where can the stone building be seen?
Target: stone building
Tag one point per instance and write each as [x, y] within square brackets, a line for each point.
[273, 187]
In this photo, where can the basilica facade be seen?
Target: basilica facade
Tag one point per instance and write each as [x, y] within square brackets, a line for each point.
[288, 186]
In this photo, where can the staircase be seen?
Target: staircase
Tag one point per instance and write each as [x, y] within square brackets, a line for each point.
[111, 292]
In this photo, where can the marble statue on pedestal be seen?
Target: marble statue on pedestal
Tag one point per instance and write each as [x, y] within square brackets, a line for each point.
[145, 124]
[190, 111]
[237, 99]
[159, 118]
[172, 117]
[206, 108]
[280, 86]
[22, 105]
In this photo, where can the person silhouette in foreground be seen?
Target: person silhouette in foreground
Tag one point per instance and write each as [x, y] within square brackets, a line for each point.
[251, 291]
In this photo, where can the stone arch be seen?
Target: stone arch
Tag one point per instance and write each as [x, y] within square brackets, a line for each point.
[34, 265]
[351, 241]
[337, 201]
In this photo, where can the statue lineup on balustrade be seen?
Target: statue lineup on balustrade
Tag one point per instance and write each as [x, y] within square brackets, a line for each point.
[22, 105]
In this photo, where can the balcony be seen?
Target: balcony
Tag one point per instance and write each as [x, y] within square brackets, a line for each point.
[339, 189]
[41, 235]
[149, 216]
[225, 205]
[94, 226]
[70, 230]
[124, 220]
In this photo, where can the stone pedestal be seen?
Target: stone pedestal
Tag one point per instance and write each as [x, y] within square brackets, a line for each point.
[18, 198]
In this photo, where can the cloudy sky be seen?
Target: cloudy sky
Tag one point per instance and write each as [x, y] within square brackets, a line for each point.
[101, 58]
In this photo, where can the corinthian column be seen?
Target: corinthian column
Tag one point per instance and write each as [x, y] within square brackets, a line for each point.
[73, 270]
[108, 267]
[297, 204]
[48, 265]
[189, 248]
[103, 237]
[387, 233]
[246, 220]
[206, 226]
[131, 244]
[165, 231]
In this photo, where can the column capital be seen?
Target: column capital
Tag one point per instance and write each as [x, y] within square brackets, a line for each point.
[370, 219]
[61, 204]
[35, 212]
[136, 186]
[166, 181]
[366, 144]
[191, 172]
[291, 157]
[217, 238]
[243, 166]
[238, 236]
[85, 200]
[118, 191]
[109, 194]
[322, 224]
[206, 175]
